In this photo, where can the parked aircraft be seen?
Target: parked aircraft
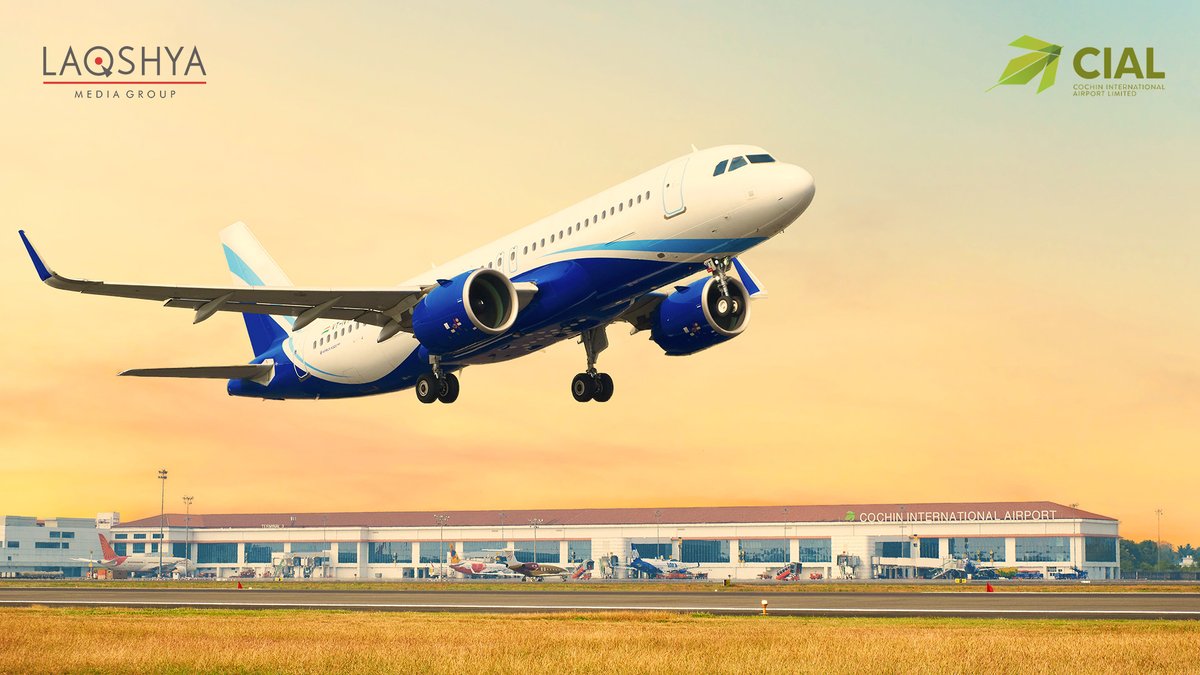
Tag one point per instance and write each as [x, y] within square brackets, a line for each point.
[623, 254]
[478, 568]
[137, 563]
[656, 568]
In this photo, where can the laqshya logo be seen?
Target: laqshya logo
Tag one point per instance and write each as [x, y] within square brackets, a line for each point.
[1043, 57]
[125, 71]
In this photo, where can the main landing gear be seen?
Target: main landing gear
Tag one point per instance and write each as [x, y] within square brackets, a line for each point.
[437, 386]
[727, 304]
[592, 385]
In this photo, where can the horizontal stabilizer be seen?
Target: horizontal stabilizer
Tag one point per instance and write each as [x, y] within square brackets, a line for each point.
[259, 373]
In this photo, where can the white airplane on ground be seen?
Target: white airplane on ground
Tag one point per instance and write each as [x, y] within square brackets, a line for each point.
[478, 568]
[656, 568]
[137, 563]
[569, 275]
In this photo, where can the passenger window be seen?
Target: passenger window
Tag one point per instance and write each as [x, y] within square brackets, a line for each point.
[560, 234]
[593, 217]
[760, 159]
[639, 199]
[489, 265]
[737, 163]
[621, 206]
[513, 256]
[647, 194]
[612, 210]
[603, 214]
[314, 344]
[552, 239]
[534, 247]
[720, 167]
[543, 242]
[631, 203]
[526, 251]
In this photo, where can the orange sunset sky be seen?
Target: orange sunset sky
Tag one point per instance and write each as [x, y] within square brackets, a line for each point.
[994, 296]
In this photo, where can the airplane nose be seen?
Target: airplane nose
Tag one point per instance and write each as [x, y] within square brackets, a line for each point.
[798, 188]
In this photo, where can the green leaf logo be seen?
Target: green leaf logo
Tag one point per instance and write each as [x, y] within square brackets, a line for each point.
[1042, 58]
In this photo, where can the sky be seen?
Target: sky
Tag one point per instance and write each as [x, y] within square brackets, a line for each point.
[994, 295]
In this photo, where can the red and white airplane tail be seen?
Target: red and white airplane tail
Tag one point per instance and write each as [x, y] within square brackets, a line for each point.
[107, 549]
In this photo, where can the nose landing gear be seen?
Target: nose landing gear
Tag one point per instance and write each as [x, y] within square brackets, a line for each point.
[726, 304]
[592, 385]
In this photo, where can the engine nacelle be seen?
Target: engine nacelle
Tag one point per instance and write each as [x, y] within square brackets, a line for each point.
[465, 311]
[690, 319]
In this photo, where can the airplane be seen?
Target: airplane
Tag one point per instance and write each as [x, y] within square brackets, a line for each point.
[659, 568]
[478, 568]
[532, 571]
[137, 563]
[621, 255]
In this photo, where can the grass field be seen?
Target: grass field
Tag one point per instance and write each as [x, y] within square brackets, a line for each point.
[37, 639]
[645, 585]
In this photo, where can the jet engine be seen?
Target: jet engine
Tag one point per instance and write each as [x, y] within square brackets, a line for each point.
[698, 316]
[464, 311]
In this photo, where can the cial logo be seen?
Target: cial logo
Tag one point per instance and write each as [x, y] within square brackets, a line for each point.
[124, 72]
[1107, 70]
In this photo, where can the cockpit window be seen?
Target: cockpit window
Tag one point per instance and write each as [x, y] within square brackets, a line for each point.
[737, 163]
[760, 159]
[720, 168]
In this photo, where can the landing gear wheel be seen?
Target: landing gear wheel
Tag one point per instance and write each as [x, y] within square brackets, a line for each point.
[724, 306]
[427, 388]
[448, 392]
[582, 387]
[603, 387]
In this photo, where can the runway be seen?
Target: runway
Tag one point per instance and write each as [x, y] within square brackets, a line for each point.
[1091, 605]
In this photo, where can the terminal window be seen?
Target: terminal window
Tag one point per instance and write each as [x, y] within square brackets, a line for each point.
[388, 552]
[816, 550]
[309, 547]
[260, 552]
[1100, 549]
[139, 548]
[763, 550]
[547, 551]
[1043, 549]
[705, 551]
[929, 548]
[579, 551]
[482, 549]
[347, 553]
[980, 549]
[215, 553]
[653, 550]
[892, 549]
[429, 551]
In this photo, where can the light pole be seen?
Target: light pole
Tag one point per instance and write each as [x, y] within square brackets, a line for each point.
[1158, 543]
[162, 518]
[441, 523]
[187, 533]
[657, 538]
[504, 542]
[535, 523]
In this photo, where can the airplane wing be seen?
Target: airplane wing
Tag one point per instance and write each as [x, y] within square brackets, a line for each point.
[388, 308]
[258, 372]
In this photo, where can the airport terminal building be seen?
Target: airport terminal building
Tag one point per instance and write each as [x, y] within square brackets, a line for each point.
[860, 541]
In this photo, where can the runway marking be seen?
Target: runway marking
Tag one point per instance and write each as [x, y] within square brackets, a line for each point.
[628, 608]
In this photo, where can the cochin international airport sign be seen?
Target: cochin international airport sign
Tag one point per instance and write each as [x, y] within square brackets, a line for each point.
[949, 516]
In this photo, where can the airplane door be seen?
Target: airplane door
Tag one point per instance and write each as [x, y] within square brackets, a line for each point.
[673, 188]
[512, 261]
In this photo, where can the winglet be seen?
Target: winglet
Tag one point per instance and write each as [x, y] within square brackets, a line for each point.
[753, 286]
[43, 271]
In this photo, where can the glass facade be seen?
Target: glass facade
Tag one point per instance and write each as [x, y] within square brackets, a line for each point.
[763, 550]
[216, 553]
[893, 549]
[547, 551]
[390, 552]
[980, 549]
[654, 549]
[704, 551]
[816, 550]
[120, 549]
[261, 552]
[930, 548]
[579, 551]
[1100, 549]
[310, 546]
[1043, 549]
[139, 548]
[179, 549]
[429, 551]
[481, 549]
[347, 552]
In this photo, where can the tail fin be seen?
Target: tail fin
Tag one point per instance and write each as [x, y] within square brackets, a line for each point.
[250, 264]
[454, 556]
[106, 548]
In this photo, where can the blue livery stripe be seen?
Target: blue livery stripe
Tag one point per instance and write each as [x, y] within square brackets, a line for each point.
[240, 268]
[671, 245]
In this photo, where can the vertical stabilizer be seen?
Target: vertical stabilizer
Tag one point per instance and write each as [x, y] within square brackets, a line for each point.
[251, 265]
[106, 548]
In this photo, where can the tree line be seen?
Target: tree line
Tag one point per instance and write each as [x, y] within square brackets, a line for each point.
[1149, 556]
